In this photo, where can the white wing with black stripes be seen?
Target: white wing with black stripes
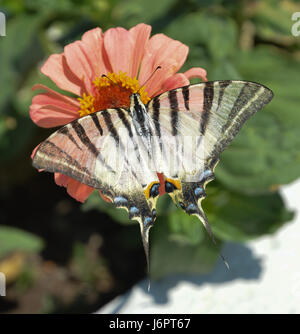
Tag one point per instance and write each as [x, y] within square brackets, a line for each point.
[105, 150]
[174, 142]
[200, 121]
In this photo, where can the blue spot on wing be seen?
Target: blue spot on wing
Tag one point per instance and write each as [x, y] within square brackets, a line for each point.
[192, 208]
[120, 201]
[199, 191]
[134, 210]
[148, 221]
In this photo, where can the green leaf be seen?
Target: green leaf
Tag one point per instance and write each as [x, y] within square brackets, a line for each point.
[184, 229]
[95, 202]
[236, 217]
[174, 253]
[273, 21]
[180, 244]
[218, 34]
[132, 12]
[266, 151]
[12, 239]
[19, 50]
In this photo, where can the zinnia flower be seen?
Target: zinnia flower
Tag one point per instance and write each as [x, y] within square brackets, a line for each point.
[128, 58]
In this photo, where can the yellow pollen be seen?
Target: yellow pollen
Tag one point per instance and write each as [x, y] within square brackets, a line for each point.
[86, 105]
[111, 91]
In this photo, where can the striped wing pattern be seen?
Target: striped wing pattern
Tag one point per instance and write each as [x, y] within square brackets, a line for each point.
[101, 150]
[179, 134]
[104, 151]
[210, 114]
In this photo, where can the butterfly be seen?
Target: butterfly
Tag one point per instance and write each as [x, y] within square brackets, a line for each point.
[174, 142]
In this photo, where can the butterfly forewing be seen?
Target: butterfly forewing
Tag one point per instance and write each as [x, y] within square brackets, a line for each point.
[74, 149]
[209, 114]
[103, 151]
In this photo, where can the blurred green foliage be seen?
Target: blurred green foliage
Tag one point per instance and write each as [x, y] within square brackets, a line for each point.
[13, 239]
[248, 40]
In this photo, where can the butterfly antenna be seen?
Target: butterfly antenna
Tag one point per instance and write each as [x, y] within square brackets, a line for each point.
[157, 68]
[105, 76]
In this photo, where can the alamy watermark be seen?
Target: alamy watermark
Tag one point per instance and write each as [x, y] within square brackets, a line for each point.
[2, 24]
[296, 26]
[141, 157]
[2, 285]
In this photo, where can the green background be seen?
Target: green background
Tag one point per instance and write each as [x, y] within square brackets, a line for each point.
[92, 252]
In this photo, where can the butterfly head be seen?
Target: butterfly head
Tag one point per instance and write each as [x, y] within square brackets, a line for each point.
[135, 101]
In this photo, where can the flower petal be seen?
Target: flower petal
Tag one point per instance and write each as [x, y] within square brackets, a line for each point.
[175, 81]
[80, 63]
[61, 179]
[106, 199]
[53, 109]
[49, 116]
[196, 72]
[161, 184]
[60, 97]
[57, 69]
[33, 152]
[94, 47]
[119, 48]
[140, 35]
[78, 190]
[165, 52]
[75, 189]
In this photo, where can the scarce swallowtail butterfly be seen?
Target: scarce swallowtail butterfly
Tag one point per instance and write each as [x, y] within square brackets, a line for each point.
[174, 142]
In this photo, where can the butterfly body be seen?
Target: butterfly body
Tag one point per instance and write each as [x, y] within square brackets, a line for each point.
[172, 143]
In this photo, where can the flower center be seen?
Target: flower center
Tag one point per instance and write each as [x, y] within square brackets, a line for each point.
[111, 91]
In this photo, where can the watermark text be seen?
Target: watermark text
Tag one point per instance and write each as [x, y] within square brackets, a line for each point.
[296, 26]
[2, 24]
[2, 285]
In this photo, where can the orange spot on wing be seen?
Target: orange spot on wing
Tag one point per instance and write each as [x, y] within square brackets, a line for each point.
[147, 190]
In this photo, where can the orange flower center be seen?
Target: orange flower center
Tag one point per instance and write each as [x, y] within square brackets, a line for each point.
[112, 91]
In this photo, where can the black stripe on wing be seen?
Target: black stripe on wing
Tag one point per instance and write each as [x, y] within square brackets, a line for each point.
[84, 137]
[208, 96]
[52, 158]
[155, 116]
[222, 85]
[122, 115]
[66, 132]
[124, 120]
[251, 98]
[173, 100]
[95, 119]
[245, 95]
[110, 126]
[186, 96]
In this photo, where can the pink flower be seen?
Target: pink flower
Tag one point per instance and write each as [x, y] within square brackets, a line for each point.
[126, 57]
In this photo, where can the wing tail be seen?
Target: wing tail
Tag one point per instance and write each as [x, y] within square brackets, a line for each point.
[189, 197]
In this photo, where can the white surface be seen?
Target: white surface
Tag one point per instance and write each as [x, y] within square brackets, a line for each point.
[264, 277]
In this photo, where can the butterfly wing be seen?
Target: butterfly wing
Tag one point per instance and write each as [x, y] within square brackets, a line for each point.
[104, 151]
[193, 126]
[190, 127]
